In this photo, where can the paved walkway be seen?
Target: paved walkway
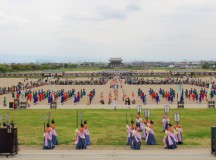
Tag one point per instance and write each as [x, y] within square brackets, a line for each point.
[148, 154]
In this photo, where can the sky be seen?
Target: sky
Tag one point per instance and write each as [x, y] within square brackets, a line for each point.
[95, 30]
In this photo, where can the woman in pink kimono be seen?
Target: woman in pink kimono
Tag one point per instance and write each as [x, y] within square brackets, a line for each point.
[169, 139]
[150, 138]
[178, 133]
[87, 134]
[48, 144]
[136, 144]
[54, 134]
[144, 124]
[165, 121]
[80, 138]
[130, 137]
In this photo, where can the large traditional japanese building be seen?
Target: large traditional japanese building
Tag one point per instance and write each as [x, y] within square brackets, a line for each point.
[115, 62]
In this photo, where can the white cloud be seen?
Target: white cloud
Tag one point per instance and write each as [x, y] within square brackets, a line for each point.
[133, 7]
[125, 28]
[11, 22]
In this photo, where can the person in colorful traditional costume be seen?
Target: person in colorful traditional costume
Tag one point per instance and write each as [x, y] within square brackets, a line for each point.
[48, 143]
[136, 143]
[80, 138]
[130, 136]
[150, 138]
[169, 139]
[54, 134]
[87, 134]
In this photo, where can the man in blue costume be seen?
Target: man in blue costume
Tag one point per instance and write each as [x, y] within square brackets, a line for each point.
[157, 98]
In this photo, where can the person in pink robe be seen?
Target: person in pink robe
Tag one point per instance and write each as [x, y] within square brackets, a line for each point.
[48, 144]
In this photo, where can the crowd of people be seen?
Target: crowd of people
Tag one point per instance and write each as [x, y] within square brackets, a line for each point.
[170, 95]
[26, 84]
[189, 81]
[92, 81]
[53, 96]
[82, 136]
[172, 137]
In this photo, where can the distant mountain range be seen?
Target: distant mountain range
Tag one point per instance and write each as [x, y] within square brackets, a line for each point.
[5, 58]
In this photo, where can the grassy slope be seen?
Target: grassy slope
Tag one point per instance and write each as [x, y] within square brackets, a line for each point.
[107, 127]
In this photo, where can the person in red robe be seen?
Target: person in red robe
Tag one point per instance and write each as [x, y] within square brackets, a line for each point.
[203, 95]
[166, 95]
[30, 96]
[55, 96]
[40, 97]
[193, 97]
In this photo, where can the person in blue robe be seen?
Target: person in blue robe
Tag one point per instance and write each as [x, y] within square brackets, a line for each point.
[182, 97]
[48, 143]
[129, 132]
[200, 98]
[54, 134]
[150, 91]
[93, 92]
[80, 142]
[144, 99]
[160, 91]
[136, 143]
[150, 138]
[62, 99]
[84, 92]
[75, 99]
[35, 99]
[197, 97]
[157, 98]
[169, 140]
[171, 98]
[73, 91]
[87, 134]
[49, 98]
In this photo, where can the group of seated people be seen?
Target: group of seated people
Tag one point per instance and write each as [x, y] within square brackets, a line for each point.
[99, 81]
[189, 81]
[26, 84]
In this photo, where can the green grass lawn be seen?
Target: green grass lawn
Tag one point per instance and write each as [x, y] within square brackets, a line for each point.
[107, 127]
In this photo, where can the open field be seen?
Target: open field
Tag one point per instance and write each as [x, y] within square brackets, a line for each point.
[107, 127]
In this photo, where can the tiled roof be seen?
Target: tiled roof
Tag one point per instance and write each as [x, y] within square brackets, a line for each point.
[115, 59]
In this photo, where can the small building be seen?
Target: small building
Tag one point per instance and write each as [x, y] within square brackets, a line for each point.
[52, 73]
[188, 64]
[171, 66]
[183, 64]
[115, 62]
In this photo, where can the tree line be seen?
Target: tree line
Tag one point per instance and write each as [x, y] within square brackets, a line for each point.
[34, 67]
[206, 65]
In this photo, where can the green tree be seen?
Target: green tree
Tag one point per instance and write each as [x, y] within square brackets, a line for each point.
[5, 68]
[205, 65]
